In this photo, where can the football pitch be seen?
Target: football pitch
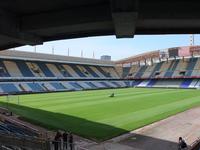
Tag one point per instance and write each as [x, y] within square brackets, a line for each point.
[95, 115]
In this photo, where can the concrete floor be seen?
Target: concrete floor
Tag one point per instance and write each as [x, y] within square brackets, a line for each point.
[162, 135]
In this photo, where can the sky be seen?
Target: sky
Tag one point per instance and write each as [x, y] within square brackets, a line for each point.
[109, 45]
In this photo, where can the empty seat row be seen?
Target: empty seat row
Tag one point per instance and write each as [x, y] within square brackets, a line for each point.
[20, 68]
[18, 87]
[176, 68]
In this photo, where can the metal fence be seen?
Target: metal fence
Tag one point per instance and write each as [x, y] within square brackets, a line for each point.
[60, 145]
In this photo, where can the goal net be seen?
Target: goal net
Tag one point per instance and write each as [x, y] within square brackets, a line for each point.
[12, 99]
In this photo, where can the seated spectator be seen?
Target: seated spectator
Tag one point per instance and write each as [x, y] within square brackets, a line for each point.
[182, 144]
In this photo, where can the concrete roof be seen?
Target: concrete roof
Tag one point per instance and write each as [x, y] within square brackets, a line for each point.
[32, 22]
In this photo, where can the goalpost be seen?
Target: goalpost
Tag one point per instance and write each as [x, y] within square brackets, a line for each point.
[12, 99]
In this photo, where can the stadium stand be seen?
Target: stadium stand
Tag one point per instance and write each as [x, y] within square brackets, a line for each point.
[172, 68]
[8, 127]
[25, 72]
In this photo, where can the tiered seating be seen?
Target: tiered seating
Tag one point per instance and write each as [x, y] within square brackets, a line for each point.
[91, 72]
[24, 69]
[35, 69]
[92, 85]
[58, 86]
[143, 83]
[71, 71]
[45, 86]
[171, 69]
[181, 68]
[151, 83]
[186, 83]
[183, 73]
[104, 72]
[12, 69]
[163, 69]
[3, 70]
[35, 87]
[63, 70]
[37, 76]
[196, 70]
[19, 68]
[125, 71]
[44, 70]
[168, 69]
[7, 127]
[9, 88]
[190, 67]
[148, 71]
[156, 70]
[133, 70]
[79, 71]
[140, 72]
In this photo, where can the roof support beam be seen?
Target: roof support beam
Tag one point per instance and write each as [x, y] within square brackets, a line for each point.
[124, 15]
[9, 29]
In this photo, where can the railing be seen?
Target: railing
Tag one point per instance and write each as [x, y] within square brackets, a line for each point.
[195, 145]
[15, 79]
[34, 143]
[55, 145]
[26, 142]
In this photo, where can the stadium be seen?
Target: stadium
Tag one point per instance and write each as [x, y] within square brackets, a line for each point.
[141, 99]
[74, 94]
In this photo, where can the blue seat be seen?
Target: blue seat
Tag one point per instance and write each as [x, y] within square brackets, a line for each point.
[103, 72]
[78, 71]
[58, 86]
[140, 72]
[171, 68]
[35, 87]
[65, 73]
[116, 84]
[45, 69]
[105, 84]
[91, 85]
[151, 83]
[76, 85]
[157, 68]
[4, 71]
[24, 69]
[190, 67]
[9, 88]
[94, 74]
[186, 83]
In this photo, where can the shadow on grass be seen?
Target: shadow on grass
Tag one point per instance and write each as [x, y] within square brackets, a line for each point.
[92, 130]
[57, 121]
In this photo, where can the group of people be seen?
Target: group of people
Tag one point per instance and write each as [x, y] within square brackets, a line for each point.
[66, 140]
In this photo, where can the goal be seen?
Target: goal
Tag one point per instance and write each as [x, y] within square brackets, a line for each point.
[12, 99]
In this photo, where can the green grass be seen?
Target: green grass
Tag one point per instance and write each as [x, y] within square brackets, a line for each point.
[94, 115]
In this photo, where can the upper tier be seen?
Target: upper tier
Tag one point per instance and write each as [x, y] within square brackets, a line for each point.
[176, 68]
[25, 65]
